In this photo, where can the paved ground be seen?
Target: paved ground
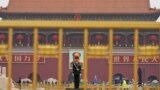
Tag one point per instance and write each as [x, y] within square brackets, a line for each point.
[140, 88]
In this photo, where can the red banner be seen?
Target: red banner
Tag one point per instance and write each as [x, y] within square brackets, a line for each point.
[130, 60]
[22, 58]
[28, 58]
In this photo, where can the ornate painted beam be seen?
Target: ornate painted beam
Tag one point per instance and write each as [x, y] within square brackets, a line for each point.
[81, 24]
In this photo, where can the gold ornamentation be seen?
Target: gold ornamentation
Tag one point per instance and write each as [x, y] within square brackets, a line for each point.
[149, 50]
[47, 50]
[97, 51]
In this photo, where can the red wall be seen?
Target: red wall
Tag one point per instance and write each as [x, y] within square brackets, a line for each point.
[125, 69]
[49, 69]
[98, 67]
